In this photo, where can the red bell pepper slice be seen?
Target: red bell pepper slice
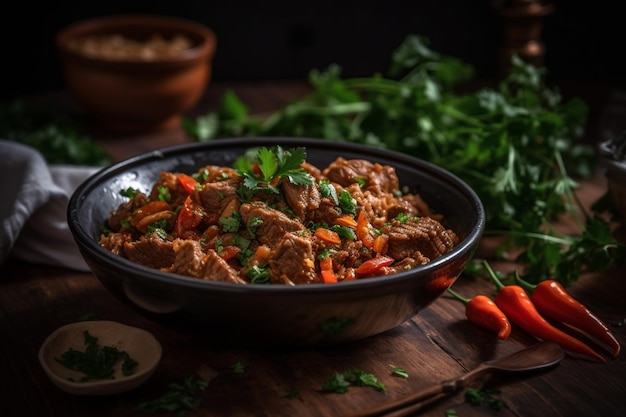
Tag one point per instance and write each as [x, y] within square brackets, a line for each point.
[188, 182]
[372, 266]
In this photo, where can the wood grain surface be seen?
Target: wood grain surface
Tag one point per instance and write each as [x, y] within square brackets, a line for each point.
[436, 345]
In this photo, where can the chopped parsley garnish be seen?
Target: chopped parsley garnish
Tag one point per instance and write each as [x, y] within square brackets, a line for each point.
[347, 203]
[325, 253]
[403, 217]
[159, 227]
[480, 396]
[254, 224]
[344, 231]
[328, 191]
[340, 382]
[97, 362]
[399, 372]
[164, 194]
[231, 224]
[180, 398]
[239, 367]
[258, 275]
[129, 192]
[201, 176]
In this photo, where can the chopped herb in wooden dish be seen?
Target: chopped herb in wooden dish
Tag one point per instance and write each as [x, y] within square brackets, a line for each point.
[97, 362]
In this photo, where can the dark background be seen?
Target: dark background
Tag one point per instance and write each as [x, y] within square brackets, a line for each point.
[285, 40]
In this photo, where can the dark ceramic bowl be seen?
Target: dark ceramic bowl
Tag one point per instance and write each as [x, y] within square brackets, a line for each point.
[257, 315]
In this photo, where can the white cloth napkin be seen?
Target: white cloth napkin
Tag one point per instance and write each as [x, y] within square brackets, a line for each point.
[33, 207]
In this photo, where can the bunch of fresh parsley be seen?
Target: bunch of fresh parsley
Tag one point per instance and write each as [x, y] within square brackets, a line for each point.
[60, 138]
[519, 145]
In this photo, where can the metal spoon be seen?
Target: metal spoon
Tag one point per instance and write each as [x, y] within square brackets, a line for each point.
[538, 356]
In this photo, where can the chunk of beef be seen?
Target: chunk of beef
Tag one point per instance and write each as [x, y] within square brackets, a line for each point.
[292, 261]
[378, 178]
[422, 208]
[192, 261]
[425, 235]
[376, 206]
[326, 213]
[273, 223]
[214, 197]
[314, 171]
[218, 173]
[407, 263]
[170, 181]
[401, 206]
[124, 211]
[114, 242]
[301, 198]
[150, 250]
[350, 254]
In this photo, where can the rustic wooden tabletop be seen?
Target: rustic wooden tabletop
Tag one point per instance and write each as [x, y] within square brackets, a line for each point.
[436, 345]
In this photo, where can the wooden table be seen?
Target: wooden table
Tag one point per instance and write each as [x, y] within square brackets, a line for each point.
[436, 345]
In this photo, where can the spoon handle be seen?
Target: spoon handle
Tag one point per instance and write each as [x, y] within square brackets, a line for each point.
[410, 403]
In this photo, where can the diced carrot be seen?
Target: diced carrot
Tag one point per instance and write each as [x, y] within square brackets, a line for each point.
[151, 207]
[363, 230]
[328, 235]
[229, 252]
[380, 243]
[262, 252]
[347, 221]
[329, 276]
[326, 264]
[349, 274]
[212, 231]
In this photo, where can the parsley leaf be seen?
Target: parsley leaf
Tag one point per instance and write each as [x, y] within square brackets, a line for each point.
[181, 397]
[340, 382]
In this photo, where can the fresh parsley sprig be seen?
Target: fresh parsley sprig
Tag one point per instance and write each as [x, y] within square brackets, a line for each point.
[269, 166]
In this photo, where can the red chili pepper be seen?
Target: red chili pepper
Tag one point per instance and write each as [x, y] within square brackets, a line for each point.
[483, 311]
[517, 305]
[553, 301]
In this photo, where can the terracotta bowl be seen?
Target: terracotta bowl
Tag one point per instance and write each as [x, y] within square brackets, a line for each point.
[261, 315]
[136, 73]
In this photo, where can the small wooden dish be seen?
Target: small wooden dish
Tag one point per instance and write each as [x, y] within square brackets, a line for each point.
[141, 345]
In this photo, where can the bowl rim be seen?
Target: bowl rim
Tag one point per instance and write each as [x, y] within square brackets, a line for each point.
[203, 50]
[87, 243]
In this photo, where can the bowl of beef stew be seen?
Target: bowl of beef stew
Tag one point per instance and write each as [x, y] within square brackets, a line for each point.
[288, 242]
